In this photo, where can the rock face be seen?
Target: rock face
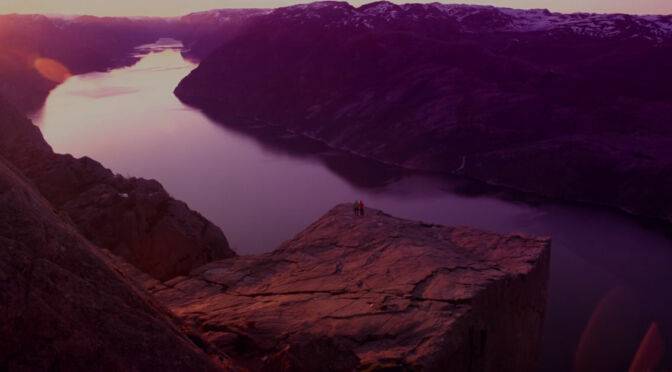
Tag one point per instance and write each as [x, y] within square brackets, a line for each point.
[570, 106]
[133, 218]
[62, 307]
[374, 292]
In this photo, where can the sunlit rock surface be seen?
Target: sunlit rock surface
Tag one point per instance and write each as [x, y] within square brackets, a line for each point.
[374, 291]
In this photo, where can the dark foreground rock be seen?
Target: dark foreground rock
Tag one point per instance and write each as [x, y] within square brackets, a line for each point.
[569, 106]
[374, 292]
[133, 218]
[63, 308]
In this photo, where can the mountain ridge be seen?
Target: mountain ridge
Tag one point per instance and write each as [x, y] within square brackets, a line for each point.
[566, 115]
[478, 18]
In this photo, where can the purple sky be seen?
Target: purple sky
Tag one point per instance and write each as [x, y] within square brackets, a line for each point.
[178, 7]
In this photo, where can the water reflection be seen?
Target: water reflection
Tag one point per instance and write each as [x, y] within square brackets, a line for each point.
[262, 185]
[359, 172]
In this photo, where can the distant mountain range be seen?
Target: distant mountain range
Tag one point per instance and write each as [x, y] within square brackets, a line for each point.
[203, 32]
[84, 44]
[81, 44]
[570, 106]
[483, 19]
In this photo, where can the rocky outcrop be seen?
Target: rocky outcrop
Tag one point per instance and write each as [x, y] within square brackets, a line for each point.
[62, 307]
[133, 218]
[570, 106]
[350, 292]
[373, 292]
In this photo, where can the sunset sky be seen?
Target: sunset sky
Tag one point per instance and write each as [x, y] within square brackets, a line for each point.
[179, 7]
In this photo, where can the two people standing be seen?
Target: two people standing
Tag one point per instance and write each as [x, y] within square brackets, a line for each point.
[358, 208]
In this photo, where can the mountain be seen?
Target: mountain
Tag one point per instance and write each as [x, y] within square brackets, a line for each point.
[38, 52]
[568, 106]
[203, 32]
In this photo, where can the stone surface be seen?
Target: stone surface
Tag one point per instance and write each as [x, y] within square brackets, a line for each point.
[63, 307]
[374, 292]
[134, 218]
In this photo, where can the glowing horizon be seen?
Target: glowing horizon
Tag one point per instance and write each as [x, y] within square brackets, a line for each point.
[168, 8]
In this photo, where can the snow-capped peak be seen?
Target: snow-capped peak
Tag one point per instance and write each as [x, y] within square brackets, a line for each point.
[482, 19]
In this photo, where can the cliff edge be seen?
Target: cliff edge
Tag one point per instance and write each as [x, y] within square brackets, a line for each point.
[62, 307]
[133, 218]
[374, 291]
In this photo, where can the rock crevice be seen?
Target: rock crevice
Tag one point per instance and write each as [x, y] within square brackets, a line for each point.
[384, 291]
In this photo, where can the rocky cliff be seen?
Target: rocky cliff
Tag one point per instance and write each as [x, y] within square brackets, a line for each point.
[373, 292]
[63, 307]
[349, 292]
[570, 106]
[133, 218]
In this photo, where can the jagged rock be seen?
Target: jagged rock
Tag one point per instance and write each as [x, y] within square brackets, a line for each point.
[395, 293]
[134, 218]
[62, 307]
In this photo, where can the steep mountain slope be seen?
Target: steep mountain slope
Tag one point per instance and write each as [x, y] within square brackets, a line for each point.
[568, 106]
[133, 218]
[203, 32]
[62, 307]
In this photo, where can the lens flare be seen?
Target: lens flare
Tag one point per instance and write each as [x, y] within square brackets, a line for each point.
[650, 352]
[52, 70]
[612, 333]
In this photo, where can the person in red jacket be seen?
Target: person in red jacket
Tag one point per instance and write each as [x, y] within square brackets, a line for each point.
[358, 208]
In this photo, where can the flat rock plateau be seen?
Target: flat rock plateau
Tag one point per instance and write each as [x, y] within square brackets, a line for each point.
[371, 292]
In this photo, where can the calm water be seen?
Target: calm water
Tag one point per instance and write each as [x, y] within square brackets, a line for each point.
[610, 276]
